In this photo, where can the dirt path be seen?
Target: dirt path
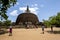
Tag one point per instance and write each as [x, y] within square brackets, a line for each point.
[31, 34]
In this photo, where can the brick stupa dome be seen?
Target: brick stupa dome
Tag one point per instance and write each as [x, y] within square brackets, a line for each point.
[27, 18]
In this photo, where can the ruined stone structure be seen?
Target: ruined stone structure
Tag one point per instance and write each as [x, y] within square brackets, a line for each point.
[27, 18]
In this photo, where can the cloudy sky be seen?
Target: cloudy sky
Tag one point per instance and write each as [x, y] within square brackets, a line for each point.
[42, 8]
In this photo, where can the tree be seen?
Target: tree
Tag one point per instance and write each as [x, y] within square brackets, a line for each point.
[7, 23]
[53, 20]
[0, 23]
[4, 5]
[58, 19]
[47, 23]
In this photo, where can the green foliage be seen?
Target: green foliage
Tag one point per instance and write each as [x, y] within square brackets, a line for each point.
[7, 23]
[58, 19]
[4, 16]
[0, 23]
[47, 23]
[4, 5]
[53, 20]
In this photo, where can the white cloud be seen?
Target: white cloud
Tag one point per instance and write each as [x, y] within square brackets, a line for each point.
[33, 10]
[17, 3]
[34, 5]
[22, 9]
[41, 5]
[14, 13]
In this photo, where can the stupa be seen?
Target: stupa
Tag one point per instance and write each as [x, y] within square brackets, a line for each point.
[27, 18]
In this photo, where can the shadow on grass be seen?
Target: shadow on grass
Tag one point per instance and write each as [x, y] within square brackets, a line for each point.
[54, 32]
[3, 32]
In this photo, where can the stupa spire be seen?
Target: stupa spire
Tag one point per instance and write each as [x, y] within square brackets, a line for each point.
[27, 10]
